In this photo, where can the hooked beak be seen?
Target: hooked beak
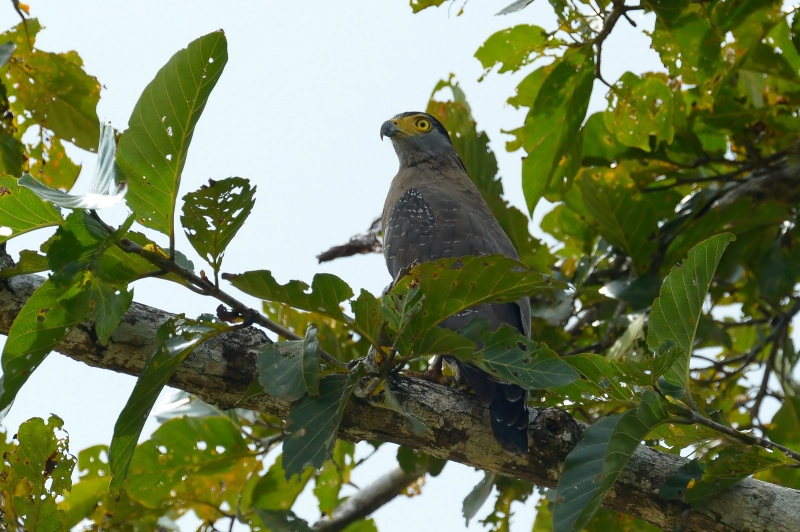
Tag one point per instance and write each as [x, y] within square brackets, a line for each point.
[389, 129]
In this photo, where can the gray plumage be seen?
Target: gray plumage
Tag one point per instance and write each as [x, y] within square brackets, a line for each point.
[434, 211]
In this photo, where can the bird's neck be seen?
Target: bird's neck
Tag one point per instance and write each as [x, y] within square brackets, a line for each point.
[421, 156]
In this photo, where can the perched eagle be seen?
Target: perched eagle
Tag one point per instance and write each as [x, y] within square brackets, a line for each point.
[435, 211]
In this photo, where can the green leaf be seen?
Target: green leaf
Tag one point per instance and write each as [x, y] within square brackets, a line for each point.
[784, 428]
[553, 123]
[455, 284]
[475, 498]
[21, 211]
[398, 309]
[593, 466]
[326, 295]
[274, 492]
[419, 5]
[91, 298]
[311, 360]
[603, 379]
[624, 215]
[176, 340]
[213, 215]
[676, 312]
[53, 166]
[41, 324]
[513, 48]
[392, 402]
[153, 151]
[675, 486]
[362, 525]
[29, 262]
[416, 462]
[55, 91]
[795, 33]
[369, 317]
[605, 520]
[283, 520]
[334, 474]
[514, 358]
[178, 448]
[729, 467]
[81, 243]
[688, 44]
[313, 422]
[600, 146]
[42, 458]
[640, 107]
[280, 370]
[11, 151]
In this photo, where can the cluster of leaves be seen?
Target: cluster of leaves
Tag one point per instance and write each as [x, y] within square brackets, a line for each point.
[202, 460]
[711, 145]
[694, 166]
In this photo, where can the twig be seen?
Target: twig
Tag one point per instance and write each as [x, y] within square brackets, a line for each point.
[369, 499]
[695, 417]
[206, 288]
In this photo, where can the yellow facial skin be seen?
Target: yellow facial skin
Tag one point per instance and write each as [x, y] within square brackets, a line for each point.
[412, 125]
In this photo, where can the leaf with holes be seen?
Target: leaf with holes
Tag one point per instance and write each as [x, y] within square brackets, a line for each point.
[624, 215]
[21, 211]
[176, 340]
[676, 312]
[153, 151]
[313, 422]
[593, 466]
[513, 48]
[54, 90]
[213, 215]
[638, 108]
[181, 447]
[274, 492]
[53, 166]
[42, 459]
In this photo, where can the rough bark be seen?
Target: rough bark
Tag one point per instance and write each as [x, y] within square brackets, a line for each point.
[220, 370]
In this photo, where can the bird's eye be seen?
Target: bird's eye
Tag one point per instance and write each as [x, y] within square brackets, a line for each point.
[423, 125]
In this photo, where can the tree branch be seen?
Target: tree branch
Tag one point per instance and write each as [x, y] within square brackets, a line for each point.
[220, 370]
[369, 499]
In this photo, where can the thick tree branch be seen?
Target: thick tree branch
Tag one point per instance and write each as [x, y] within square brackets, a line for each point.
[220, 370]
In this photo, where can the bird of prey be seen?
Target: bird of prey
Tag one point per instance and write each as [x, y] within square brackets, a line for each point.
[435, 211]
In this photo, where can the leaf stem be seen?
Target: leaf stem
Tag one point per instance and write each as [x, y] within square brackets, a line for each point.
[203, 287]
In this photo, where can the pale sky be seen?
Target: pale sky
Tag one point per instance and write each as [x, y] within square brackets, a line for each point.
[297, 111]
